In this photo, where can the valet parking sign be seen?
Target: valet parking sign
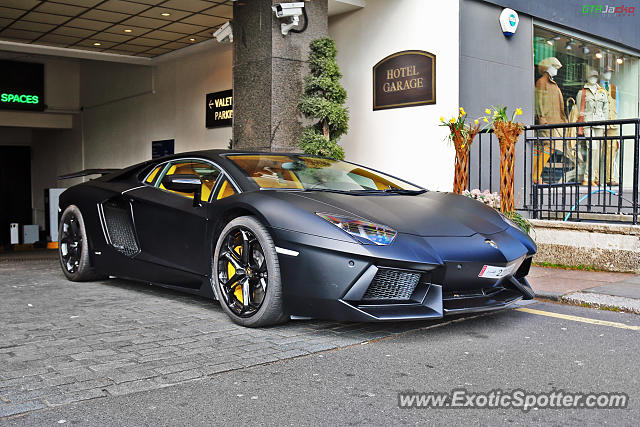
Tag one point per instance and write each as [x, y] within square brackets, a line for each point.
[219, 109]
[404, 79]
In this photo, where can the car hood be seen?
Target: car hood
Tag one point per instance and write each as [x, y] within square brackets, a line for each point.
[428, 214]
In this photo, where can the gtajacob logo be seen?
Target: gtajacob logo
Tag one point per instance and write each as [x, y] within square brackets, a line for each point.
[608, 10]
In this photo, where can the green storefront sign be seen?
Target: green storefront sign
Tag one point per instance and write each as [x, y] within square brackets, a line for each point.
[19, 98]
[21, 86]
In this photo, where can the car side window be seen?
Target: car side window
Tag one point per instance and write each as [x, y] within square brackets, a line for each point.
[225, 190]
[154, 173]
[207, 173]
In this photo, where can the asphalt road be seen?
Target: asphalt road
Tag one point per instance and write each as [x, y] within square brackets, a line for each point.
[359, 384]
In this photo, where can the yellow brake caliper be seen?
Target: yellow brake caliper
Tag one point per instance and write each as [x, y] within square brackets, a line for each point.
[231, 271]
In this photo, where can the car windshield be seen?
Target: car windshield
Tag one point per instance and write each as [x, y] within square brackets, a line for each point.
[314, 173]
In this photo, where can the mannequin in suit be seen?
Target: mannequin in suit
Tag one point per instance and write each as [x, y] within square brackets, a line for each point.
[611, 157]
[592, 101]
[549, 109]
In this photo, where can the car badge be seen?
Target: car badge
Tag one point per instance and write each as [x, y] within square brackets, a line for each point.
[491, 243]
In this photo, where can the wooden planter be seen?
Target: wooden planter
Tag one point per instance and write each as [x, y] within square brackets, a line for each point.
[507, 134]
[462, 146]
[461, 176]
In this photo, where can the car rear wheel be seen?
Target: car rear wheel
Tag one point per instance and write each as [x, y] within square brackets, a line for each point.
[73, 247]
[246, 274]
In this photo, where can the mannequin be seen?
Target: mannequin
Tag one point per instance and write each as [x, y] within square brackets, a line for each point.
[611, 157]
[595, 108]
[549, 110]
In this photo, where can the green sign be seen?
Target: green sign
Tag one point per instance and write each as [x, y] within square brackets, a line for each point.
[21, 86]
[19, 98]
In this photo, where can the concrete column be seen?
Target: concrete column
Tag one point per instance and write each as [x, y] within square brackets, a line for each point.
[268, 72]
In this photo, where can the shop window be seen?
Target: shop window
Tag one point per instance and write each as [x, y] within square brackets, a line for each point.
[579, 80]
[617, 72]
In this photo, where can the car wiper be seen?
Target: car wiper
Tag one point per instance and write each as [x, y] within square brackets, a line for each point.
[330, 190]
[391, 190]
[403, 191]
[368, 192]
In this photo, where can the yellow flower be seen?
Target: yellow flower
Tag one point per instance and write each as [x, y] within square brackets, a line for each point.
[475, 121]
[487, 111]
[453, 120]
[442, 119]
[518, 111]
[485, 119]
[462, 113]
[495, 113]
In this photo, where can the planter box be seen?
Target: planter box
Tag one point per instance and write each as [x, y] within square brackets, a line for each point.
[612, 247]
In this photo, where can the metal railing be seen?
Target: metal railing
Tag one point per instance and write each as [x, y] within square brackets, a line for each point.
[571, 171]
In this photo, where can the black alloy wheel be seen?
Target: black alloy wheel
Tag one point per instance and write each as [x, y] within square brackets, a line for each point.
[73, 247]
[71, 241]
[246, 274]
[242, 272]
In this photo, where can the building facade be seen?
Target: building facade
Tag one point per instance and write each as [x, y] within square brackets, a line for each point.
[104, 110]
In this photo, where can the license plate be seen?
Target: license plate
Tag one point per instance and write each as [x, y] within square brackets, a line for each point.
[495, 272]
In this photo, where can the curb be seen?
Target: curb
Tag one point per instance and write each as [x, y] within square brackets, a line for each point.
[602, 302]
[553, 296]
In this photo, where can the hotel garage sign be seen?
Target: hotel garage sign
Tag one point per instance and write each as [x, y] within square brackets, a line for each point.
[21, 86]
[404, 79]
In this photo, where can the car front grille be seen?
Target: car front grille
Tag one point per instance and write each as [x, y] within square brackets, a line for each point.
[392, 284]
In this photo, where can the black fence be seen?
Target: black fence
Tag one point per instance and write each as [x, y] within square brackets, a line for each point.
[570, 172]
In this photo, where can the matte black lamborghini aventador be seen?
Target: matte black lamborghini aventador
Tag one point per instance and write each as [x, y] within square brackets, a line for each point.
[274, 235]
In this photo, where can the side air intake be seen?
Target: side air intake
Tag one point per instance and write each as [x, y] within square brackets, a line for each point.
[119, 227]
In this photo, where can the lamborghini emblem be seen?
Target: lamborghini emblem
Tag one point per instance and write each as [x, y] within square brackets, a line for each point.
[491, 243]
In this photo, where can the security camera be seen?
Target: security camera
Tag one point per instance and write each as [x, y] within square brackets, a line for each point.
[224, 33]
[288, 10]
[285, 10]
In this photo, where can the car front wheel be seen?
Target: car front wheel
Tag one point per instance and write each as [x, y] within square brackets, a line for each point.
[73, 247]
[246, 274]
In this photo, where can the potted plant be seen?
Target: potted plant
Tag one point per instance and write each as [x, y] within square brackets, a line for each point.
[507, 131]
[461, 135]
[493, 201]
[323, 101]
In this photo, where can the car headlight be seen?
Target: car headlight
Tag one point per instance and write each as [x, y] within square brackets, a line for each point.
[375, 233]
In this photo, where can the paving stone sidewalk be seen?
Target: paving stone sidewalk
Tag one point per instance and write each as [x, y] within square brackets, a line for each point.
[598, 289]
[62, 342]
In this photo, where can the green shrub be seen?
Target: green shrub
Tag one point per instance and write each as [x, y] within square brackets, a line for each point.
[323, 99]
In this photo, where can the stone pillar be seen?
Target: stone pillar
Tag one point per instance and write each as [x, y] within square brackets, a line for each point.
[268, 72]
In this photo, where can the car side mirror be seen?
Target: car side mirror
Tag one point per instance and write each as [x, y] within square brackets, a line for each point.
[184, 183]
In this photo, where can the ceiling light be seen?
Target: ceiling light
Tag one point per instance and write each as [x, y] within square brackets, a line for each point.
[97, 44]
[619, 60]
[585, 49]
[599, 55]
[192, 39]
[165, 14]
[128, 30]
[550, 42]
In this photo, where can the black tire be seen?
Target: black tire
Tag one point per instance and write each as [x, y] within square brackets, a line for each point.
[73, 247]
[257, 276]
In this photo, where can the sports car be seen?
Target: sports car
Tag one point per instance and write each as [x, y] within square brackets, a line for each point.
[276, 235]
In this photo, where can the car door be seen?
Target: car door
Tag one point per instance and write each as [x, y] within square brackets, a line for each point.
[172, 230]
